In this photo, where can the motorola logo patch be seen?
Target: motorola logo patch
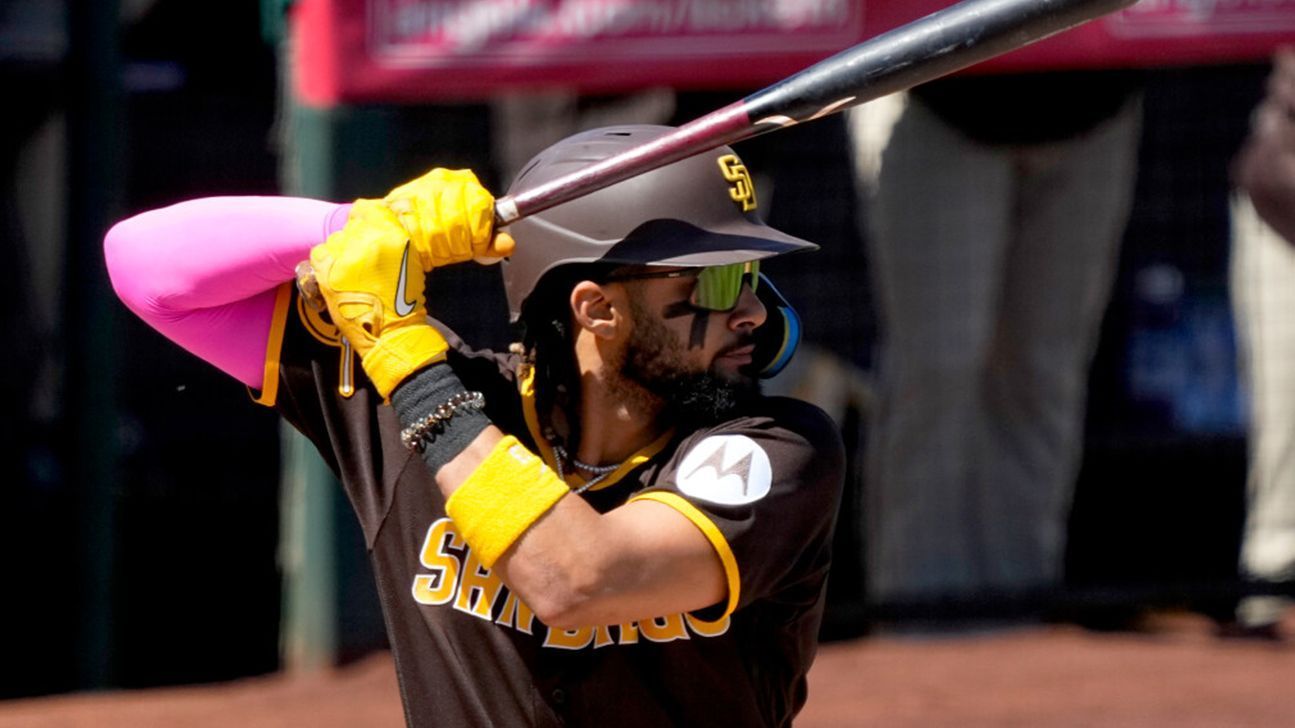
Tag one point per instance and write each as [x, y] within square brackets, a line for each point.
[727, 469]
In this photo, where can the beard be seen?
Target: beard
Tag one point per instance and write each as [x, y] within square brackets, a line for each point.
[654, 361]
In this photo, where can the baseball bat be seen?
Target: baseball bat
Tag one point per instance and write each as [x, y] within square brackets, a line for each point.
[945, 41]
[938, 44]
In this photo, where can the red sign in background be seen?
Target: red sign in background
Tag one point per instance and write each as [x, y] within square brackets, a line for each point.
[349, 51]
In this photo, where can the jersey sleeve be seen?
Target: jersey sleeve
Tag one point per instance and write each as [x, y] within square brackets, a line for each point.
[765, 491]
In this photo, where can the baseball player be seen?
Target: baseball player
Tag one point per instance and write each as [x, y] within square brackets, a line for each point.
[608, 525]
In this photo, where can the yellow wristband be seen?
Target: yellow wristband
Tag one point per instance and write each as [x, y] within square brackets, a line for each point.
[507, 493]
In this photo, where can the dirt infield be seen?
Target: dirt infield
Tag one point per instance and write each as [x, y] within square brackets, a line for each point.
[1174, 673]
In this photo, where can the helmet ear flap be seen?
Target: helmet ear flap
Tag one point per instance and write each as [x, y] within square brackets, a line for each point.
[776, 341]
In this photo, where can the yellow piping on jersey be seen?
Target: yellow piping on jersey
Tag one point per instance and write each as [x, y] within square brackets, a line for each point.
[712, 534]
[526, 385]
[273, 348]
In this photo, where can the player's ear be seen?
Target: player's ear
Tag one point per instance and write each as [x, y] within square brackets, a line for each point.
[596, 308]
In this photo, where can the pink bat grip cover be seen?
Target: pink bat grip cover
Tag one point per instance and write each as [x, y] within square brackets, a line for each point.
[205, 273]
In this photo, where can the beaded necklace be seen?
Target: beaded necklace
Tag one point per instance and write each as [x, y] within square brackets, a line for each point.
[598, 472]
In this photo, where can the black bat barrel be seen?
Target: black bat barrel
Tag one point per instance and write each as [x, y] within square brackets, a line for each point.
[939, 44]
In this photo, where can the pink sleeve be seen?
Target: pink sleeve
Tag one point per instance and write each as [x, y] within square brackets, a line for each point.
[204, 273]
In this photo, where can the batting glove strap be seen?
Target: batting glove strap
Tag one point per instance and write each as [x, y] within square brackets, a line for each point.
[397, 354]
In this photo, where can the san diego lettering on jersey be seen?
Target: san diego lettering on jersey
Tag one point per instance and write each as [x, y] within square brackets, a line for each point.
[455, 577]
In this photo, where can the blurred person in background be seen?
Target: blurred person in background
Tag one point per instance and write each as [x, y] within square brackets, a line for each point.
[994, 228]
[1263, 298]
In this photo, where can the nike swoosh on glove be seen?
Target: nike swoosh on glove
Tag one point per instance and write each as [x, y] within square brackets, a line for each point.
[374, 289]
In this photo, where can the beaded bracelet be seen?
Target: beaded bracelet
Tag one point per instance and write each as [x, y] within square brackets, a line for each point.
[416, 435]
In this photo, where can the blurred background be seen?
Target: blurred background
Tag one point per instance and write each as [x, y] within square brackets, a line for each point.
[159, 528]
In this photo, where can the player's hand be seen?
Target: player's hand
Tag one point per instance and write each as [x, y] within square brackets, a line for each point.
[373, 284]
[450, 219]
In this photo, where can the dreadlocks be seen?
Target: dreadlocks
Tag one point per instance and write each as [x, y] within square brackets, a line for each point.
[548, 338]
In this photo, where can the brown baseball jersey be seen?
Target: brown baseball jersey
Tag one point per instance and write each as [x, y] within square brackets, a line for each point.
[762, 487]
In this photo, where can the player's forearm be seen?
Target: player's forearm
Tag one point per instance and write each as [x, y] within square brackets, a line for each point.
[576, 567]
[564, 567]
[513, 511]
[554, 563]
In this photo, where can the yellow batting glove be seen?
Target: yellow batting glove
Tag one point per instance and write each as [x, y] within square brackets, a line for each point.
[373, 285]
[450, 218]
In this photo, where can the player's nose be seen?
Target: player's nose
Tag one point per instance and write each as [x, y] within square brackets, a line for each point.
[749, 313]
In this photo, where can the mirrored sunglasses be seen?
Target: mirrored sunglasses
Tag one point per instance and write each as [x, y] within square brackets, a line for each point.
[718, 287]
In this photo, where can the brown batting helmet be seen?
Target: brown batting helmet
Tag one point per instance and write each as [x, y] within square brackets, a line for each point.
[699, 211]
